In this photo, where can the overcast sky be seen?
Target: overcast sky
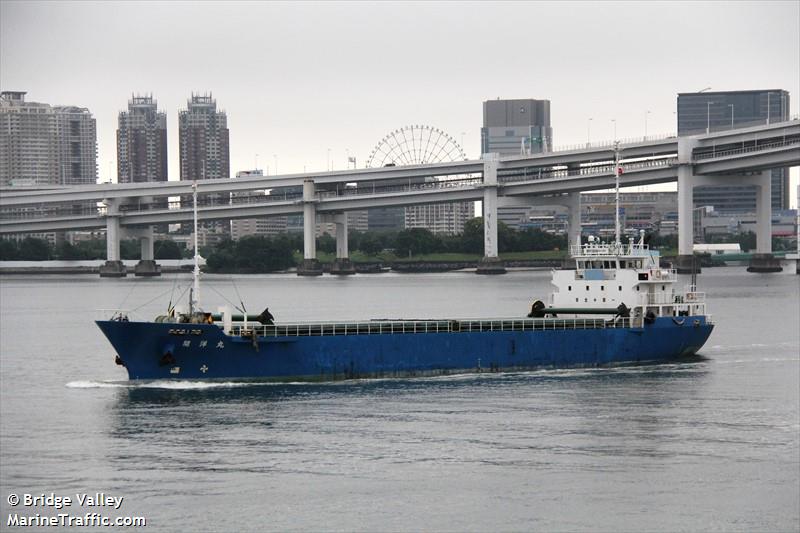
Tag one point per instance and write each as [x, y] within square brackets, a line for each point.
[297, 79]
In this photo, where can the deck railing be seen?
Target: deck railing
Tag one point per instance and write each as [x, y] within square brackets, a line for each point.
[601, 249]
[391, 327]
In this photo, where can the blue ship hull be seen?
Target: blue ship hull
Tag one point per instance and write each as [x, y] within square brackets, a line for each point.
[203, 351]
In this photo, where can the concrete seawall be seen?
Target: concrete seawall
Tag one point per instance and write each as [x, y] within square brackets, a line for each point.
[86, 267]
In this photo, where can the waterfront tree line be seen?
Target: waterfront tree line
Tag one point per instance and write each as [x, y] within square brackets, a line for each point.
[254, 254]
[268, 254]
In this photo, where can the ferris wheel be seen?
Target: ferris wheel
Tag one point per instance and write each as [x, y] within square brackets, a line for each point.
[414, 145]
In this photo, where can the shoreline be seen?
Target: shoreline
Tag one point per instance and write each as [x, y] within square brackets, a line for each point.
[410, 267]
[168, 267]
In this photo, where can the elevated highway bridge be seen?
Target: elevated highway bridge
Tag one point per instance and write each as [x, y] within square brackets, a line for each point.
[741, 156]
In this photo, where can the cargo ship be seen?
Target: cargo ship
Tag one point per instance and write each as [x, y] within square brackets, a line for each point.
[618, 306]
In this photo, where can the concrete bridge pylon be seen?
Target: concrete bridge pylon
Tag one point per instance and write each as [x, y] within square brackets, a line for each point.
[342, 266]
[491, 262]
[310, 265]
[113, 267]
[147, 265]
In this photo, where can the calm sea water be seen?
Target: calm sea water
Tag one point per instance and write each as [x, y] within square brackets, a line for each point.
[707, 445]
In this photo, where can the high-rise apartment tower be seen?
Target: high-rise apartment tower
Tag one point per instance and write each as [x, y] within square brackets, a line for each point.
[142, 142]
[42, 144]
[204, 140]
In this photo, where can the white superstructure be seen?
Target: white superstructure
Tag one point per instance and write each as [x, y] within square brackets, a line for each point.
[610, 274]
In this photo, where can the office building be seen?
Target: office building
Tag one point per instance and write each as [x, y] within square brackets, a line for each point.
[649, 211]
[386, 218]
[265, 226]
[42, 144]
[141, 142]
[703, 112]
[514, 127]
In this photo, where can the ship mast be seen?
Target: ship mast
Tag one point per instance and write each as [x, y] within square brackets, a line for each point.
[195, 296]
[616, 194]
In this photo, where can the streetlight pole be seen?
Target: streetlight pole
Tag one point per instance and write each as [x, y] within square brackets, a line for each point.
[645, 124]
[329, 159]
[708, 117]
[767, 107]
[588, 132]
[275, 157]
[614, 121]
[731, 106]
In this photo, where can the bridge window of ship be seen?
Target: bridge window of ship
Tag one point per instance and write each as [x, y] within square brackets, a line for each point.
[620, 288]
[602, 287]
[587, 287]
[569, 287]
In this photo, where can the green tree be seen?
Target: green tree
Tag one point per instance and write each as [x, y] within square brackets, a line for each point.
[130, 249]
[252, 254]
[416, 241]
[66, 251]
[370, 244]
[656, 240]
[32, 249]
[92, 249]
[221, 258]
[472, 238]
[507, 240]
[9, 250]
[166, 249]
[326, 243]
[747, 241]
